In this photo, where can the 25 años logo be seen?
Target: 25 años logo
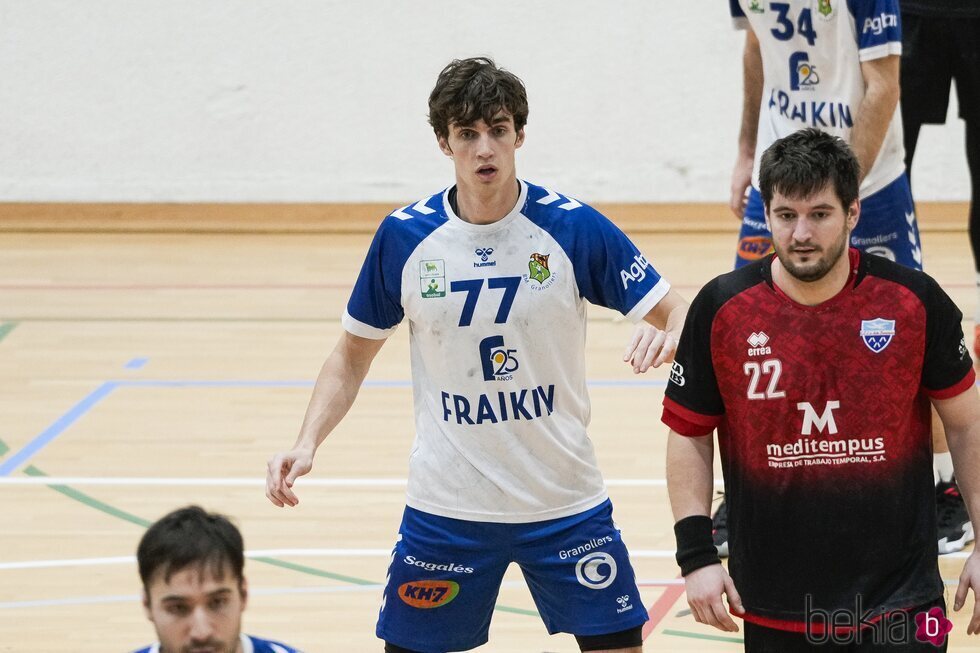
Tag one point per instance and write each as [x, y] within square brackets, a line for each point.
[844, 627]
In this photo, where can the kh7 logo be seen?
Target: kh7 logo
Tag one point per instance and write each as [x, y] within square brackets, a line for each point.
[426, 594]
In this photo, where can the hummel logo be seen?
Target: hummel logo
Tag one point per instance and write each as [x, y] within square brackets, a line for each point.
[623, 600]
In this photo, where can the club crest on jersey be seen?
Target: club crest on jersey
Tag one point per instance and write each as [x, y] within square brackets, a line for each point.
[484, 253]
[825, 9]
[756, 7]
[539, 272]
[877, 333]
[538, 265]
[432, 278]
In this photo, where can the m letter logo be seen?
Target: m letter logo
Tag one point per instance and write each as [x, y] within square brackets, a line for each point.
[825, 419]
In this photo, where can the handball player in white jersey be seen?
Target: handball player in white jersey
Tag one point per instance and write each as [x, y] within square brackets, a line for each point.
[493, 275]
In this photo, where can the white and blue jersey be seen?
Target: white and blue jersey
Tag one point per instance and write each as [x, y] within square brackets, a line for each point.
[812, 52]
[249, 644]
[497, 327]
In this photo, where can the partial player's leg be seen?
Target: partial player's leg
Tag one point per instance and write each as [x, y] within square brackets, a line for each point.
[579, 573]
[754, 238]
[442, 584]
[973, 161]
[759, 639]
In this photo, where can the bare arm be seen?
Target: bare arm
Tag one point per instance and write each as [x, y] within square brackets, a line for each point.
[690, 474]
[690, 482]
[752, 83]
[961, 419]
[654, 340]
[336, 388]
[874, 114]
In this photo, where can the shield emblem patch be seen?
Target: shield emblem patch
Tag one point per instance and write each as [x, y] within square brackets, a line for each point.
[877, 333]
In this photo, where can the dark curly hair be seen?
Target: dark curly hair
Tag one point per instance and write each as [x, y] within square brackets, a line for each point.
[470, 89]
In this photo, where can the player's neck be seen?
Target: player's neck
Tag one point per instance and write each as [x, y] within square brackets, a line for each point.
[811, 293]
[487, 204]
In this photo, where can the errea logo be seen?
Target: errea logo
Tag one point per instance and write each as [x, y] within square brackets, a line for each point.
[635, 272]
[757, 343]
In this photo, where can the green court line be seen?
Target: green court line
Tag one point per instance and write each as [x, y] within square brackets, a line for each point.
[504, 608]
[3, 448]
[91, 502]
[313, 571]
[713, 638]
[6, 328]
[101, 506]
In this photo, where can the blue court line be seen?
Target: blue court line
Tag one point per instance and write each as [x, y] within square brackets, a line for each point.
[136, 363]
[56, 429]
[104, 390]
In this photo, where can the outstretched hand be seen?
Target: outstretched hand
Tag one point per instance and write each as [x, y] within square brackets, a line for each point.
[649, 347]
[283, 470]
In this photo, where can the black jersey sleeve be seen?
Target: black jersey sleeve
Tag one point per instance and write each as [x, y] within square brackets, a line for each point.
[948, 367]
[692, 402]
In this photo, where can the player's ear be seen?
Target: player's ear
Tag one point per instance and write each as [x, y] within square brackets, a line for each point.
[853, 214]
[444, 146]
[146, 604]
[243, 591]
[520, 138]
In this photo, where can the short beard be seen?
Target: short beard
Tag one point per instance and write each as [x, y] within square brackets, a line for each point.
[819, 269]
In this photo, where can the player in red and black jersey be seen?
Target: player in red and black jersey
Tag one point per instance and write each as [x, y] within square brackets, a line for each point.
[816, 366]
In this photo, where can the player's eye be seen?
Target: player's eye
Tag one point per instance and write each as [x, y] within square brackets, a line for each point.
[177, 609]
[500, 131]
[218, 603]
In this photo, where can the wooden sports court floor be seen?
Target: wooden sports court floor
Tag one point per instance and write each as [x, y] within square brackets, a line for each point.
[145, 372]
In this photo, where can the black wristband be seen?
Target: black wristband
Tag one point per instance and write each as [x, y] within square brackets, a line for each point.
[695, 546]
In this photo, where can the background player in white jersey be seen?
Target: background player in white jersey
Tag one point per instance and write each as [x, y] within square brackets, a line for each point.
[493, 275]
[194, 591]
[831, 65]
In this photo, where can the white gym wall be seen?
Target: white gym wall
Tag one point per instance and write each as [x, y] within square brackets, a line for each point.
[325, 101]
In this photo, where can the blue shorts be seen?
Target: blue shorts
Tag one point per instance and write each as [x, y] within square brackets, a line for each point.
[887, 227]
[445, 575]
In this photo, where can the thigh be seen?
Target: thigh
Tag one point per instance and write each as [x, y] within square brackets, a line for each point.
[926, 70]
[966, 66]
[754, 238]
[888, 227]
[579, 574]
[442, 583]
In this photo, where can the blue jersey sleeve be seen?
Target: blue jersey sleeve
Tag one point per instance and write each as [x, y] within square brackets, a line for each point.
[375, 306]
[609, 269]
[879, 28]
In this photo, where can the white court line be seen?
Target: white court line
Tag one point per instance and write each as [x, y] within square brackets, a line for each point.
[270, 591]
[284, 591]
[299, 553]
[252, 482]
